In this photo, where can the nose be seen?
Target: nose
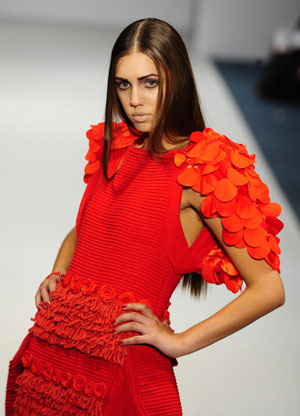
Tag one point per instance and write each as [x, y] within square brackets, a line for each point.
[135, 97]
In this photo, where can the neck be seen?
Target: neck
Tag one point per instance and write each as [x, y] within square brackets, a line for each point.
[143, 143]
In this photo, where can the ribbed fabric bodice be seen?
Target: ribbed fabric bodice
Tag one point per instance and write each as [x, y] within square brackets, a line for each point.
[123, 233]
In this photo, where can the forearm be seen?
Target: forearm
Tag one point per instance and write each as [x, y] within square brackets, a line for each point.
[66, 252]
[254, 302]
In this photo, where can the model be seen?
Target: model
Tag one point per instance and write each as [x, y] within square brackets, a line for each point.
[167, 200]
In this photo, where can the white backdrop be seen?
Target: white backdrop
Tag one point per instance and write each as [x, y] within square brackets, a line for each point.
[53, 83]
[239, 29]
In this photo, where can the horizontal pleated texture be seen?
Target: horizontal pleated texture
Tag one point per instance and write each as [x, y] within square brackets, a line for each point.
[122, 236]
[54, 382]
[121, 256]
[15, 369]
[156, 384]
[144, 385]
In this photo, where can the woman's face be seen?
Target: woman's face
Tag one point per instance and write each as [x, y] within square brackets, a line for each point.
[137, 84]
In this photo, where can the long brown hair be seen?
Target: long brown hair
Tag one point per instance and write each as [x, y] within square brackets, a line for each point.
[177, 116]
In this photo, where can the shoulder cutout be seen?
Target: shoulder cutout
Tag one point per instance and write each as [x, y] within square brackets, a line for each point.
[223, 172]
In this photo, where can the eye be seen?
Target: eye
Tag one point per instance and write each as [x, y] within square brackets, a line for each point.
[123, 85]
[151, 83]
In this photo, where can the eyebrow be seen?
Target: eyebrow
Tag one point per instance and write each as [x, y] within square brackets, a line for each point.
[140, 78]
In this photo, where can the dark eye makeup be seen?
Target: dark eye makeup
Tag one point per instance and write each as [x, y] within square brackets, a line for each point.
[150, 83]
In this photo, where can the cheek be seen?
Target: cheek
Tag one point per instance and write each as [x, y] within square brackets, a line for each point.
[152, 97]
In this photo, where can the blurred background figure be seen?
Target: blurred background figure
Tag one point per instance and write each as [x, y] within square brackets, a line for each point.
[54, 59]
[280, 78]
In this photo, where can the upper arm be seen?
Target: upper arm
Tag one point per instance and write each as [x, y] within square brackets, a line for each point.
[73, 233]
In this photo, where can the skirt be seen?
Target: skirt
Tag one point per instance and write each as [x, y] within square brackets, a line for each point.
[80, 369]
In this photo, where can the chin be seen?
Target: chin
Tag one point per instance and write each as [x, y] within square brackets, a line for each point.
[144, 127]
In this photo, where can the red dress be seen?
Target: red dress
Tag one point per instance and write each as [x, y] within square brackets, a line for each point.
[131, 248]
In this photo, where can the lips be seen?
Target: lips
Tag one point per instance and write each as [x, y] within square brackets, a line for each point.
[140, 117]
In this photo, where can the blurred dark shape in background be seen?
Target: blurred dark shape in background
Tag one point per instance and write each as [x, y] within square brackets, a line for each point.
[280, 78]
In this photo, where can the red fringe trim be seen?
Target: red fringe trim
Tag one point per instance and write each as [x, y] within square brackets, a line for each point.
[81, 315]
[47, 391]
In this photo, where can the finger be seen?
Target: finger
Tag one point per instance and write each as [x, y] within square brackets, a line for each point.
[131, 326]
[139, 339]
[44, 293]
[146, 311]
[38, 299]
[52, 286]
[131, 316]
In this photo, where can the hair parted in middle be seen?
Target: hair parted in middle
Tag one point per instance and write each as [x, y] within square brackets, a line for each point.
[177, 116]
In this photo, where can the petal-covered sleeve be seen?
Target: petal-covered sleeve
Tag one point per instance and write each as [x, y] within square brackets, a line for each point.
[95, 135]
[122, 137]
[223, 172]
